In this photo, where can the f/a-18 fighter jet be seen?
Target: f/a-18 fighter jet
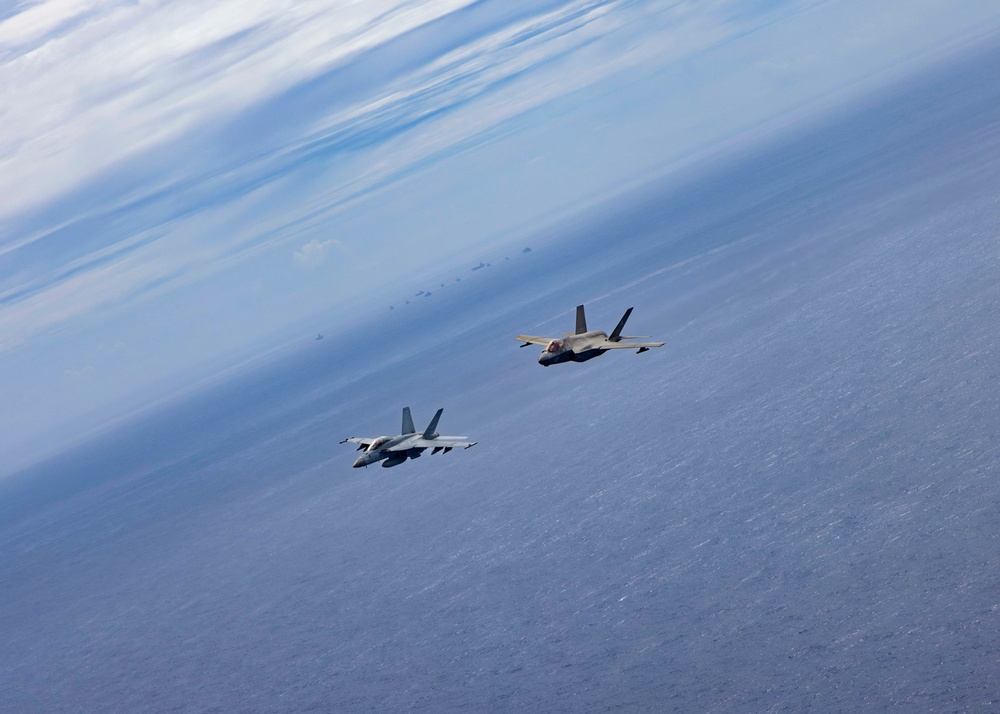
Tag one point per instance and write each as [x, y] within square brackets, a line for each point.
[583, 344]
[394, 450]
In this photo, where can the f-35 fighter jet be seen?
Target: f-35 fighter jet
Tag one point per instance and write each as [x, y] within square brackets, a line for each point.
[583, 345]
[394, 450]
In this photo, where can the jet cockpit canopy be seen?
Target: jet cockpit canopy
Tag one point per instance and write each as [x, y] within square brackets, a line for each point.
[375, 445]
[554, 346]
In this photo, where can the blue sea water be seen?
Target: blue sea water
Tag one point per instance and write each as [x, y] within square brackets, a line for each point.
[793, 506]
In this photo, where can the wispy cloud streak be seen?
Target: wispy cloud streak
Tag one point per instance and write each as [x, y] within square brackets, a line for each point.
[139, 115]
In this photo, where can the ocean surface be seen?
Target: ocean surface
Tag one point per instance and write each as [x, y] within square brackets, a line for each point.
[793, 506]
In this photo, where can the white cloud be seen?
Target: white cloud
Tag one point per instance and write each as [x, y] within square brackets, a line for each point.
[76, 374]
[106, 350]
[125, 76]
[102, 354]
[314, 253]
[39, 19]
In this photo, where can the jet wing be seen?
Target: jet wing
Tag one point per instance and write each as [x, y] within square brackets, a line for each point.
[532, 340]
[608, 345]
[444, 442]
[365, 441]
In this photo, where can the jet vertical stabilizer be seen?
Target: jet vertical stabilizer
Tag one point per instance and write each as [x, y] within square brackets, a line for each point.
[616, 334]
[581, 320]
[408, 422]
[431, 431]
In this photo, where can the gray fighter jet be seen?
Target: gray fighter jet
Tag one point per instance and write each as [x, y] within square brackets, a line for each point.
[394, 450]
[583, 345]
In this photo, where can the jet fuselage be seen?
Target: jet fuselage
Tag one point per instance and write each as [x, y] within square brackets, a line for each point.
[379, 451]
[573, 348]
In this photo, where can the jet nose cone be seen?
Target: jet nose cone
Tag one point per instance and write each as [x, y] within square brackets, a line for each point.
[360, 461]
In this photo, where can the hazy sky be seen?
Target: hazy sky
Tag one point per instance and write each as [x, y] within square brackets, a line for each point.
[183, 181]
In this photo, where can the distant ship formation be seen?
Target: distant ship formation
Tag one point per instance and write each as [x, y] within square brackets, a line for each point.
[427, 293]
[482, 264]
